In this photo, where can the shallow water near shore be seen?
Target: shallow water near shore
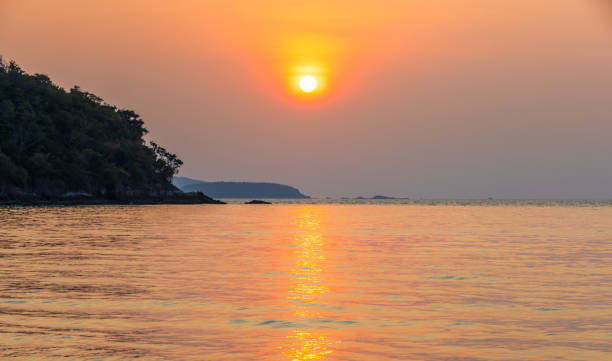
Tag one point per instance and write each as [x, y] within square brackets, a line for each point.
[307, 282]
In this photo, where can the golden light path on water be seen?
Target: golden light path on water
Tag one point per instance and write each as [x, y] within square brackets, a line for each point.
[309, 286]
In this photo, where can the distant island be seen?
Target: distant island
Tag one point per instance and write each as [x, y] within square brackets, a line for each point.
[380, 197]
[238, 189]
[71, 147]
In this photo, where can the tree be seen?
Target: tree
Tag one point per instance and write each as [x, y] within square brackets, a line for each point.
[166, 164]
[53, 141]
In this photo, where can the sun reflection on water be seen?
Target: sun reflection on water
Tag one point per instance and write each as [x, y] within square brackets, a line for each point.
[308, 287]
[308, 277]
[308, 346]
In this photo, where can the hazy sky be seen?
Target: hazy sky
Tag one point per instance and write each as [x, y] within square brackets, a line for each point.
[421, 98]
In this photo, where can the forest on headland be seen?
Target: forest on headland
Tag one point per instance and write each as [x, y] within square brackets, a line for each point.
[56, 144]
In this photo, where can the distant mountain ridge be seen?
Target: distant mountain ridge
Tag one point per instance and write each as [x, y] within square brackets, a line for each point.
[237, 189]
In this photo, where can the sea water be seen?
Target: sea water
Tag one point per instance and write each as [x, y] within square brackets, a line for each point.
[308, 281]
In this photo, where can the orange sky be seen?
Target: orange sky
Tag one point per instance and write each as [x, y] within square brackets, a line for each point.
[458, 98]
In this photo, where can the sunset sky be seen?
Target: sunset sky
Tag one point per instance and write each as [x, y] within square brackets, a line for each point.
[415, 98]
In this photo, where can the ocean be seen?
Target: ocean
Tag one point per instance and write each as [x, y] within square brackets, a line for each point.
[308, 280]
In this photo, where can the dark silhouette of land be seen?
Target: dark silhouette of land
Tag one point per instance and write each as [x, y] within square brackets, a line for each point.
[257, 201]
[238, 189]
[71, 147]
[383, 197]
[379, 197]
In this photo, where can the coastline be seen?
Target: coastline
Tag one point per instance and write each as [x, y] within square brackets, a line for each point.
[78, 200]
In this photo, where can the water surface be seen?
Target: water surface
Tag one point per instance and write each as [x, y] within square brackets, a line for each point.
[306, 282]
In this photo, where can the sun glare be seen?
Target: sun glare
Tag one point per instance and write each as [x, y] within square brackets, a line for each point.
[308, 83]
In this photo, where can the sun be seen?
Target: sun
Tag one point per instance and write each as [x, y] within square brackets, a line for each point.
[308, 83]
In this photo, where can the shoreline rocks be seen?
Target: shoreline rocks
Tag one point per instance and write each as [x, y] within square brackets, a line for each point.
[70, 199]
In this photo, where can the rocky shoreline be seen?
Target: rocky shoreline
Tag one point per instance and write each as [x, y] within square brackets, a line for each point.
[75, 199]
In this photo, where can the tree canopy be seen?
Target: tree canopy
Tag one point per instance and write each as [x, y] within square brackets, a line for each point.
[54, 141]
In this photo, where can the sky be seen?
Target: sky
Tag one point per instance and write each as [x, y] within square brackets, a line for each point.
[416, 98]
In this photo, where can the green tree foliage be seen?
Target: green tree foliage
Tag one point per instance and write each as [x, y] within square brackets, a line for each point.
[53, 141]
